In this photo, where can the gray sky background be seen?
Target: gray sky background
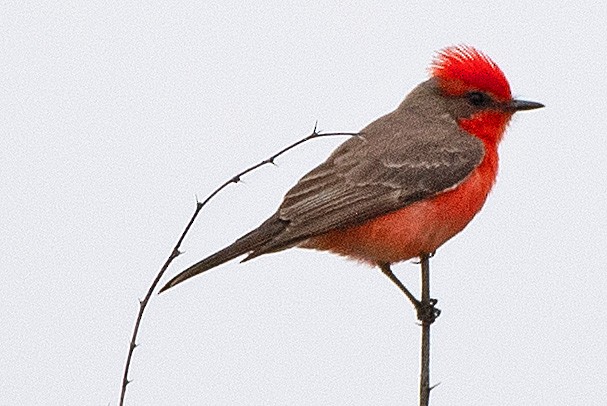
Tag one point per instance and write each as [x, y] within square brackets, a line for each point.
[116, 114]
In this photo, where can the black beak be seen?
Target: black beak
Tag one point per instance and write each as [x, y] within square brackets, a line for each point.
[519, 105]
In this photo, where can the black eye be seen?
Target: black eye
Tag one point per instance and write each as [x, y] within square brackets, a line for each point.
[478, 99]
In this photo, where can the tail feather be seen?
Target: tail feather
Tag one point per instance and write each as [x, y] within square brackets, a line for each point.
[246, 244]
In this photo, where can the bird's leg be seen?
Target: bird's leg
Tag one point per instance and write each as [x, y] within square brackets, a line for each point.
[385, 268]
[426, 310]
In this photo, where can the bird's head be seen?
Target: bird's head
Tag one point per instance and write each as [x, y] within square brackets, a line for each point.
[476, 91]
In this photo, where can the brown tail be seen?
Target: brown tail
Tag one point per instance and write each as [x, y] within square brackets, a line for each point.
[245, 244]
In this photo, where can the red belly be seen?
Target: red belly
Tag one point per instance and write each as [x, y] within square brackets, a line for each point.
[417, 229]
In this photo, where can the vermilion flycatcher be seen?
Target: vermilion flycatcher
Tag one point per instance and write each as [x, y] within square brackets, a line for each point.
[412, 180]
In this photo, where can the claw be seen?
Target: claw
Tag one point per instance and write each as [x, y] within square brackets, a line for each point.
[427, 312]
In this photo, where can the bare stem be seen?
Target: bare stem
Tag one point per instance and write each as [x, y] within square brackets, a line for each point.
[142, 304]
[175, 253]
[424, 378]
[426, 314]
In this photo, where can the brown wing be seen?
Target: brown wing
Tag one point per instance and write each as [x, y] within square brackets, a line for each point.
[393, 164]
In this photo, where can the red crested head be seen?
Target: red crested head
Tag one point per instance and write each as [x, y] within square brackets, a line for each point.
[461, 69]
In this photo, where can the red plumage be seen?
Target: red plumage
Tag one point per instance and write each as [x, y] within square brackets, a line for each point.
[463, 68]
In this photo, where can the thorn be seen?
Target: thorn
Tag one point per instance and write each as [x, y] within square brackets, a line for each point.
[315, 127]
[127, 382]
[235, 179]
[270, 161]
[434, 386]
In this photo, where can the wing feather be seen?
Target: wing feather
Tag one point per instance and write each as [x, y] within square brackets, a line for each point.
[389, 167]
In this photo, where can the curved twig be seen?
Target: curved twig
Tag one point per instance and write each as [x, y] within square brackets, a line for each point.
[175, 253]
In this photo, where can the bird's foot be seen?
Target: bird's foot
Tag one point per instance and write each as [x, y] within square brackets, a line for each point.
[427, 311]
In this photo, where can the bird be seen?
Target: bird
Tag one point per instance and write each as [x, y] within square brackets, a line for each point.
[410, 180]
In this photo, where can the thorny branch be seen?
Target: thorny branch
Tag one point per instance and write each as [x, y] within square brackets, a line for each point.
[175, 252]
[426, 314]
[427, 320]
